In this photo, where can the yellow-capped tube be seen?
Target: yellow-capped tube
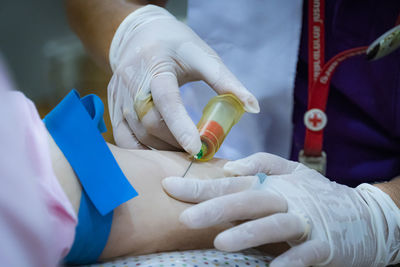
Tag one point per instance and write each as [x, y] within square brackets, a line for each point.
[219, 115]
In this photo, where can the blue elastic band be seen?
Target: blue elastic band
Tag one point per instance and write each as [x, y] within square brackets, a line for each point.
[91, 234]
[74, 125]
[261, 177]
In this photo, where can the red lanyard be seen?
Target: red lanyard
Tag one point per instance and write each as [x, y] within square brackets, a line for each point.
[319, 78]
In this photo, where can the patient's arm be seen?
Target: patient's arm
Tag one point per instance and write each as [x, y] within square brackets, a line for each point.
[149, 222]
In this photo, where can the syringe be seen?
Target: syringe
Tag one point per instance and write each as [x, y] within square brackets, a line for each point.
[219, 116]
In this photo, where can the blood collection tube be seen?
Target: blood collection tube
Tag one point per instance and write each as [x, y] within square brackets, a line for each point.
[219, 115]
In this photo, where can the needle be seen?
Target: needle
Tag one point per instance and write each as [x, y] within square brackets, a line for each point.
[190, 165]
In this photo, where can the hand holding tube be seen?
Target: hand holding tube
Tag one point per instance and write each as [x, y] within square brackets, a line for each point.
[152, 54]
[326, 223]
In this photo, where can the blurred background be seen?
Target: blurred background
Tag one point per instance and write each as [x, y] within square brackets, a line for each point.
[45, 58]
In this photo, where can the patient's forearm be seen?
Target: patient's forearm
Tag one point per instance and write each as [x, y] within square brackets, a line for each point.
[149, 222]
[151, 219]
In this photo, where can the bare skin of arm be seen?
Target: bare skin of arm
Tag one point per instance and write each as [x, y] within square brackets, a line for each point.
[149, 222]
[96, 21]
[392, 188]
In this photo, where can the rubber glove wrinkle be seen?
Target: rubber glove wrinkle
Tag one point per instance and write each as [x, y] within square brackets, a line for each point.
[347, 233]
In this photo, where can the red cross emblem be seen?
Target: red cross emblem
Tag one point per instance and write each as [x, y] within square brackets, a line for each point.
[315, 119]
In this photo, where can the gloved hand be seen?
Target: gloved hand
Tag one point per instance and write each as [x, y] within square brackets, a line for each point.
[151, 55]
[325, 223]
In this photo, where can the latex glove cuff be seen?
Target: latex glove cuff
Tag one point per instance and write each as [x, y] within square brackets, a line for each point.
[386, 224]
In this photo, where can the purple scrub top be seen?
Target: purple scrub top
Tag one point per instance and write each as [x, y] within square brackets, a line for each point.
[362, 137]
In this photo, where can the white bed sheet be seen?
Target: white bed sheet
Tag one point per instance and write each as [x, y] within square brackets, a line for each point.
[191, 258]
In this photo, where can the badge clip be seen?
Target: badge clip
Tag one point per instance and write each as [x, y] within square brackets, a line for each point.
[316, 163]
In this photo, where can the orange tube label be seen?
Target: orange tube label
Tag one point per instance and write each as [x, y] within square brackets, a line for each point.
[214, 132]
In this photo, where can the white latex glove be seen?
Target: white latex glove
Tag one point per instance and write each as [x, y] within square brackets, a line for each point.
[151, 55]
[326, 223]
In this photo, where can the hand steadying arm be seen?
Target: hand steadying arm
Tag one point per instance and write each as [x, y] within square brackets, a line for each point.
[326, 223]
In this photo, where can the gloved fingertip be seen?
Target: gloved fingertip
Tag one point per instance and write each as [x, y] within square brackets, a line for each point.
[193, 147]
[188, 137]
[223, 241]
[251, 104]
[172, 185]
[232, 168]
[190, 219]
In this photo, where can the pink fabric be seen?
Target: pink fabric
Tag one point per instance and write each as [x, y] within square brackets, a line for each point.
[37, 221]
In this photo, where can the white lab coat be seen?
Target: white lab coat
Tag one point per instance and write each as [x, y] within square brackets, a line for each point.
[258, 40]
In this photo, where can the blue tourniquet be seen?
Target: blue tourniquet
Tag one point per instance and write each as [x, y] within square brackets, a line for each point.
[75, 125]
[91, 233]
[261, 177]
